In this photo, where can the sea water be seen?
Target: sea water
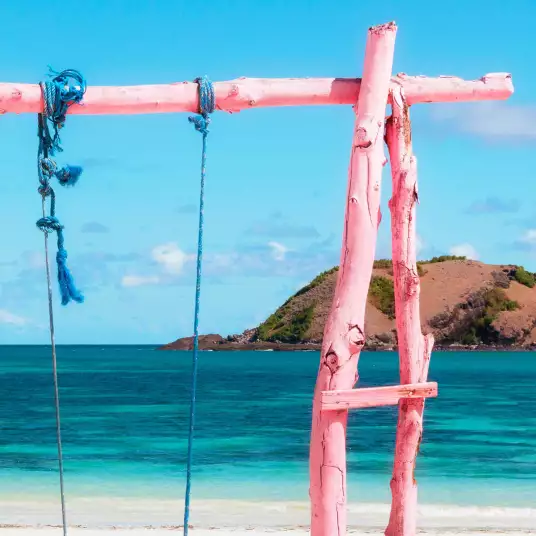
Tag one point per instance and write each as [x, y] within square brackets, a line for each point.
[125, 415]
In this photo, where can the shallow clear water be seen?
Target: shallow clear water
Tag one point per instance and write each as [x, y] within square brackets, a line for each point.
[125, 419]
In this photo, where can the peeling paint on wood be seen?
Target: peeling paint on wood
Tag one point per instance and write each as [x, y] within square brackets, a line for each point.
[344, 335]
[414, 349]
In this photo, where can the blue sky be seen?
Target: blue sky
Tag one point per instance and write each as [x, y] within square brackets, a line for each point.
[276, 177]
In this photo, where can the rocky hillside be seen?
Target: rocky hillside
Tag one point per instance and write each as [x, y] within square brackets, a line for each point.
[463, 303]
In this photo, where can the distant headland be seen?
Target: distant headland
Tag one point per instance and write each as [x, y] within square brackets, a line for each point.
[467, 305]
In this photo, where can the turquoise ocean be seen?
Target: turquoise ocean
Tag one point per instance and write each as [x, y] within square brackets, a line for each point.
[125, 419]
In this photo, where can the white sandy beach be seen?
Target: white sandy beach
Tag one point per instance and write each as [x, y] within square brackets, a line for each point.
[51, 531]
[137, 516]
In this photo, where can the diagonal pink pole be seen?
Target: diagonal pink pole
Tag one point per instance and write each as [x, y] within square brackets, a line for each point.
[344, 335]
[413, 348]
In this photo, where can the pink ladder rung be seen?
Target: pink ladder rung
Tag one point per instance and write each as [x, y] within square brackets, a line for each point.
[371, 397]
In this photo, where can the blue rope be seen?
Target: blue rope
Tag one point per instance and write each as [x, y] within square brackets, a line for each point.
[201, 122]
[63, 90]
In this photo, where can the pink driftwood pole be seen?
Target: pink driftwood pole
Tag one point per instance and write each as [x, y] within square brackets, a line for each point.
[414, 349]
[249, 93]
[344, 332]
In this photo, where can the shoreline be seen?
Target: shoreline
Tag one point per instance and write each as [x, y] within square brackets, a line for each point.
[100, 513]
[316, 347]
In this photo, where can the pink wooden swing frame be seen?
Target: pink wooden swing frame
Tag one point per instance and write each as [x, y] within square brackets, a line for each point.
[344, 335]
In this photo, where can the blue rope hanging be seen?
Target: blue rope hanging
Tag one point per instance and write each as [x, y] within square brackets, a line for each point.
[63, 90]
[201, 123]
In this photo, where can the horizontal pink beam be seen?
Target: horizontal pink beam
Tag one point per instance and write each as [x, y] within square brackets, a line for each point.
[246, 93]
[372, 397]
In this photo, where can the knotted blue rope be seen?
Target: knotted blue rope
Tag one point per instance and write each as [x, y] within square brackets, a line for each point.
[63, 90]
[201, 122]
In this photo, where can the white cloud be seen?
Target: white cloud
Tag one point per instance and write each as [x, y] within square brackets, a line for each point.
[171, 258]
[464, 250]
[278, 250]
[139, 280]
[171, 266]
[529, 237]
[490, 119]
[9, 318]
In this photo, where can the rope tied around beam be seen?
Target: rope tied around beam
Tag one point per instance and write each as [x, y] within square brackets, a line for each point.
[59, 93]
[207, 104]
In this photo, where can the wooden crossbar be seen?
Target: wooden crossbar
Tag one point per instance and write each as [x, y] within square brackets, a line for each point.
[248, 93]
[371, 397]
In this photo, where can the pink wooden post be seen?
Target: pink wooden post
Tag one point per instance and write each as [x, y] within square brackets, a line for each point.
[344, 332]
[413, 348]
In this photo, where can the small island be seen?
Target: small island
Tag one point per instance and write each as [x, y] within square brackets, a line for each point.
[467, 305]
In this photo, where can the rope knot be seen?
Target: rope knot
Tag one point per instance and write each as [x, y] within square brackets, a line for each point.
[207, 105]
[62, 91]
[45, 190]
[200, 123]
[49, 224]
[48, 166]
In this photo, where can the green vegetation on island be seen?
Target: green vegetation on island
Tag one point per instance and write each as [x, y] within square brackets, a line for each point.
[525, 278]
[382, 295]
[282, 329]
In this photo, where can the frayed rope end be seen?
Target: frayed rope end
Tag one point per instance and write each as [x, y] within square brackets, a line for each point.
[68, 289]
[69, 175]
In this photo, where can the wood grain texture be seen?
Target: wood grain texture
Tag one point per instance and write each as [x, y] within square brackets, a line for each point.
[344, 335]
[372, 397]
[414, 349]
[248, 93]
